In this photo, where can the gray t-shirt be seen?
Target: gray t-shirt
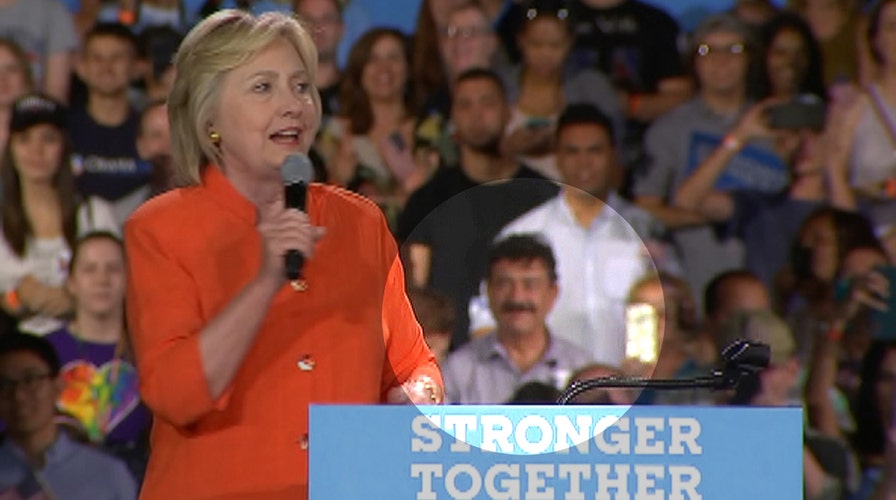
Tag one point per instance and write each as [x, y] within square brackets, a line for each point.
[676, 144]
[41, 27]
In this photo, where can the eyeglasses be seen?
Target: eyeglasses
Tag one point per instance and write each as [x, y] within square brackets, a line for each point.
[735, 49]
[464, 32]
[560, 14]
[30, 382]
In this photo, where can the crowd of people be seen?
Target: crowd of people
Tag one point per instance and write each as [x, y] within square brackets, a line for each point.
[560, 176]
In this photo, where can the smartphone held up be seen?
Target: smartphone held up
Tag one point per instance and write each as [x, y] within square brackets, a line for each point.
[642, 333]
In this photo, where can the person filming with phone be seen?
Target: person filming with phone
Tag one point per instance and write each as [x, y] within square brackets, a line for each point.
[232, 335]
[767, 222]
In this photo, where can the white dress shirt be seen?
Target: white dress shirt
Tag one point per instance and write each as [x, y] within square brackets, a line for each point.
[596, 268]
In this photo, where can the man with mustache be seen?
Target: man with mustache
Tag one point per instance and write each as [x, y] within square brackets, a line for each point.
[521, 282]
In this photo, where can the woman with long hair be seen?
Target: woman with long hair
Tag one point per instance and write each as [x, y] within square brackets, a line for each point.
[793, 60]
[370, 148]
[41, 215]
[541, 87]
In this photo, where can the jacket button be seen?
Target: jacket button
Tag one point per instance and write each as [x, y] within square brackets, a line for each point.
[306, 363]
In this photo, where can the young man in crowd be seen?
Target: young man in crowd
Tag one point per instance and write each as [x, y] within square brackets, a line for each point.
[37, 460]
[104, 130]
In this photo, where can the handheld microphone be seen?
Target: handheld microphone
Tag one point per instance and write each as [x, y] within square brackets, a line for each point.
[296, 173]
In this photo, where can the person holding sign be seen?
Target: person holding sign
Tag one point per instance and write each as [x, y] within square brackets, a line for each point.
[229, 355]
[767, 222]
[723, 55]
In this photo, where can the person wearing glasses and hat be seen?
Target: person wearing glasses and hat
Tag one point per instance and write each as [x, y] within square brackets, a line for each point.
[41, 215]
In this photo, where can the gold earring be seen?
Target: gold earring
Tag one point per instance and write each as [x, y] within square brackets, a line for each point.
[215, 137]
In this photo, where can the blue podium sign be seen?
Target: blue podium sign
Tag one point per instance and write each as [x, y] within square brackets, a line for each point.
[555, 453]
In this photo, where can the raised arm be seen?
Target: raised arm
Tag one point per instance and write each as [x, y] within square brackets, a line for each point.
[187, 363]
[696, 192]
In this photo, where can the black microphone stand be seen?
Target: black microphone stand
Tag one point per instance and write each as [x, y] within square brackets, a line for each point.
[741, 358]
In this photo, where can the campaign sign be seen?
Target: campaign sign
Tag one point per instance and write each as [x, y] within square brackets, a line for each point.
[751, 168]
[555, 453]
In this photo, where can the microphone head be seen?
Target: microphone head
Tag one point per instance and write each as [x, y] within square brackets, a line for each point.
[297, 168]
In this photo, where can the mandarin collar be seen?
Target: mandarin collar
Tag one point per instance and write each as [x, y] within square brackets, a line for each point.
[219, 188]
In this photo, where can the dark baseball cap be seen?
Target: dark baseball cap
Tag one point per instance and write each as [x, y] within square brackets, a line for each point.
[35, 109]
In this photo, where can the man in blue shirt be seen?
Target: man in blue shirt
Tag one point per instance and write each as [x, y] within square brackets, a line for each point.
[36, 459]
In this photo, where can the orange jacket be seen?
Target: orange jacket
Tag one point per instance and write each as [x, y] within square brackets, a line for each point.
[347, 339]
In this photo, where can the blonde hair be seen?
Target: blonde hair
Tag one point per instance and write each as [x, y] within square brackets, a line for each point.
[223, 41]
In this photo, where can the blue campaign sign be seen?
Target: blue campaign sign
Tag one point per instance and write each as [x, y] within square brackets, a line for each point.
[555, 452]
[752, 168]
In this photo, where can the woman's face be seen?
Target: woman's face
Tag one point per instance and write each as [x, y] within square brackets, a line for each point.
[787, 62]
[544, 44]
[97, 280]
[12, 78]
[386, 73]
[265, 112]
[820, 237]
[886, 387]
[885, 41]
[37, 153]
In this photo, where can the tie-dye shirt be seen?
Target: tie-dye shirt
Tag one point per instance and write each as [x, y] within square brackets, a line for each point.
[100, 390]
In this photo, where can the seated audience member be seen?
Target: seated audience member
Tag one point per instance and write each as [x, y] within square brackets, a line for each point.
[156, 47]
[435, 313]
[601, 396]
[765, 222]
[543, 84]
[36, 459]
[154, 146]
[466, 42]
[595, 234]
[104, 129]
[839, 27]
[449, 223]
[637, 45]
[722, 55]
[42, 215]
[775, 386]
[100, 381]
[46, 31]
[728, 294]
[324, 17]
[522, 288]
[368, 148]
[681, 355]
[849, 331]
[808, 287]
[792, 59]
